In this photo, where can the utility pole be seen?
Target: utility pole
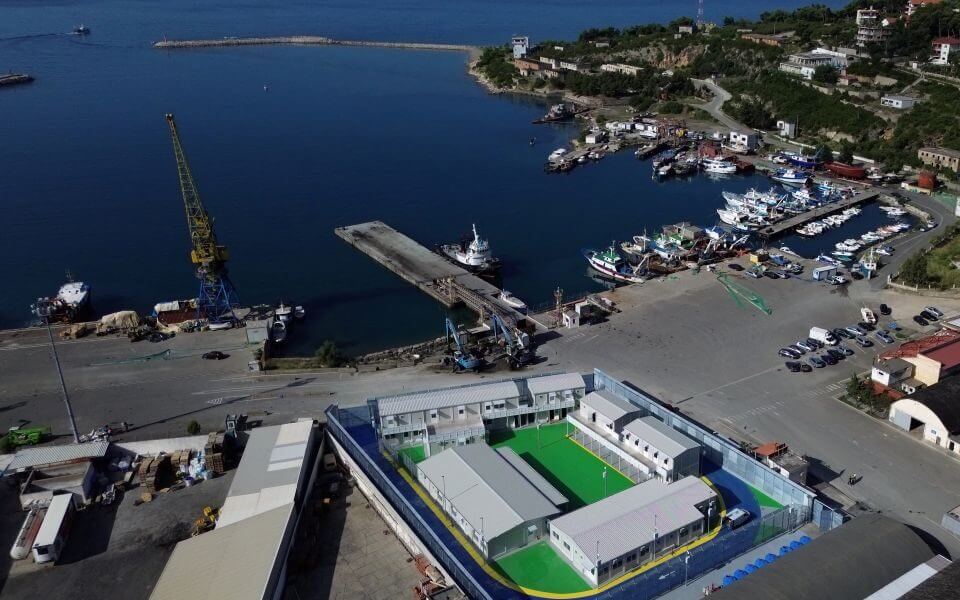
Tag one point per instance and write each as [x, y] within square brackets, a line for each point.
[45, 315]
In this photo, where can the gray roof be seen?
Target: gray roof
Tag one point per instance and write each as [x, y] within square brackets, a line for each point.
[942, 399]
[941, 586]
[898, 97]
[629, 519]
[470, 394]
[851, 561]
[660, 435]
[609, 405]
[44, 455]
[238, 562]
[481, 483]
[270, 471]
[531, 475]
[555, 383]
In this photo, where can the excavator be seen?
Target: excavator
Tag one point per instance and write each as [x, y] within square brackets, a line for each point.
[516, 344]
[463, 359]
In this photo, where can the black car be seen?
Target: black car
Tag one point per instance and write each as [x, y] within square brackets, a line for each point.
[805, 367]
[926, 314]
[866, 326]
[836, 354]
[920, 321]
[817, 362]
[828, 358]
[846, 350]
[815, 343]
[841, 333]
[856, 275]
[885, 310]
[735, 267]
[792, 366]
[788, 353]
[771, 275]
[215, 355]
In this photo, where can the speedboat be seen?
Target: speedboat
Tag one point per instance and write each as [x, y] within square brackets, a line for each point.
[827, 259]
[612, 265]
[513, 302]
[81, 30]
[664, 170]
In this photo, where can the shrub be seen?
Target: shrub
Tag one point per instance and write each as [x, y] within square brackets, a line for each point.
[193, 428]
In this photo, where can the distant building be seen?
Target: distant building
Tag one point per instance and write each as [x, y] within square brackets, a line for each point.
[942, 47]
[620, 68]
[778, 457]
[669, 454]
[805, 64]
[548, 61]
[891, 372]
[528, 67]
[940, 157]
[898, 102]
[744, 141]
[932, 413]
[616, 535]
[520, 46]
[762, 38]
[870, 29]
[570, 65]
[913, 5]
[787, 129]
[600, 43]
[685, 29]
[933, 357]
[595, 137]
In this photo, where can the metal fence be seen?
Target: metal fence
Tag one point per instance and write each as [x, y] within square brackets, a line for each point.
[606, 450]
[827, 518]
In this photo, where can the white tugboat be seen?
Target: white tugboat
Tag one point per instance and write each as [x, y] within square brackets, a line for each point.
[474, 256]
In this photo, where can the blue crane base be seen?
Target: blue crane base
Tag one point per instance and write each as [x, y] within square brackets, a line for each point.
[217, 300]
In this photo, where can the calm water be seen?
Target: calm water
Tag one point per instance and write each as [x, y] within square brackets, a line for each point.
[88, 182]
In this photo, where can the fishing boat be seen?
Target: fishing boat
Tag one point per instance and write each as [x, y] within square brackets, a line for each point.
[663, 158]
[718, 165]
[284, 313]
[557, 113]
[299, 313]
[845, 170]
[828, 259]
[664, 170]
[612, 265]
[804, 161]
[474, 255]
[637, 249]
[513, 302]
[790, 177]
[71, 301]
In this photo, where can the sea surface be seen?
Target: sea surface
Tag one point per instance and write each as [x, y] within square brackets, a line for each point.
[342, 135]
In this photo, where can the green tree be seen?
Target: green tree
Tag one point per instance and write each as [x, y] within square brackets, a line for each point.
[914, 269]
[328, 354]
[825, 74]
[846, 153]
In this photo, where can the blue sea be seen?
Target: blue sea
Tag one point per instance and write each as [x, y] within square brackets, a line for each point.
[344, 135]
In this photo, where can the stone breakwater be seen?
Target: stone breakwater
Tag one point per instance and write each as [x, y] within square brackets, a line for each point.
[473, 51]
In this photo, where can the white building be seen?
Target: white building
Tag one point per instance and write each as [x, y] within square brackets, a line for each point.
[669, 454]
[932, 414]
[805, 64]
[898, 102]
[870, 29]
[616, 535]
[499, 501]
[942, 47]
[570, 65]
[890, 372]
[744, 141]
[607, 412]
[787, 129]
[595, 137]
[620, 68]
[520, 45]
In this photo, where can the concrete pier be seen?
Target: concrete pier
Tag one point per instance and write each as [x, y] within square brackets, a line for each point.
[431, 273]
[817, 213]
[313, 40]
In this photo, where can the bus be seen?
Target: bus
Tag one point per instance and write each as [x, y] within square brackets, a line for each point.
[52, 536]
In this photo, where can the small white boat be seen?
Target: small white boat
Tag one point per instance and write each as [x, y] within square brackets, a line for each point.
[284, 313]
[278, 331]
[299, 313]
[220, 326]
[513, 302]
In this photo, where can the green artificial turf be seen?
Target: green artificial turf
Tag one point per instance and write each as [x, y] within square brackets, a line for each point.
[764, 500]
[414, 453]
[574, 471]
[539, 567]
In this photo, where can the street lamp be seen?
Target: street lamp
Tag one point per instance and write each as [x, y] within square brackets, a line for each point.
[686, 566]
[44, 313]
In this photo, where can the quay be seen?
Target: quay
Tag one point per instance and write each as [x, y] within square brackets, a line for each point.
[429, 272]
[811, 215]
[313, 40]
[15, 78]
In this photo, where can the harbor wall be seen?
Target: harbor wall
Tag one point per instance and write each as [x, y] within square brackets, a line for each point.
[313, 40]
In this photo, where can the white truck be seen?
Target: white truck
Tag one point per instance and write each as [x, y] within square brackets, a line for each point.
[824, 336]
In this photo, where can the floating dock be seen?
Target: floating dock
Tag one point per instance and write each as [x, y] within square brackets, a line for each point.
[432, 274]
[812, 215]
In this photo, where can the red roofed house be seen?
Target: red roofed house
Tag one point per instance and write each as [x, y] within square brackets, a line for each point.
[933, 358]
[942, 47]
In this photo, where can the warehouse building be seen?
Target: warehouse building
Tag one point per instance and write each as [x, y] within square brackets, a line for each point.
[932, 414]
[497, 500]
[607, 412]
[670, 454]
[618, 534]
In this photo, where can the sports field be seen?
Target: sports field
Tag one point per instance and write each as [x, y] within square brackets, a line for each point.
[414, 453]
[539, 567]
[574, 471]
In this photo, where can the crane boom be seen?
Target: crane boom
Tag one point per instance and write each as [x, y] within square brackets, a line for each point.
[217, 295]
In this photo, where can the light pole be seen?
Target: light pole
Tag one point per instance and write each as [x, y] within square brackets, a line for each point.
[604, 482]
[598, 563]
[686, 566]
[444, 480]
[44, 313]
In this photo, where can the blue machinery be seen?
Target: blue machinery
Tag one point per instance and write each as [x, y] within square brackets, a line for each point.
[463, 359]
[517, 344]
[217, 297]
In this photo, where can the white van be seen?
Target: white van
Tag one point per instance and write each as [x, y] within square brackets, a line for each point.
[824, 336]
[52, 536]
[737, 517]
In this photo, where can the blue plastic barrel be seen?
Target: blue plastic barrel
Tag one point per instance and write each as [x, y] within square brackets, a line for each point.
[727, 580]
[770, 557]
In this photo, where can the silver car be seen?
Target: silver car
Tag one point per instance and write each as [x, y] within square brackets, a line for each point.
[933, 309]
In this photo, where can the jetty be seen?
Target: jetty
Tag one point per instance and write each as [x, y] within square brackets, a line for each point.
[312, 40]
[812, 215]
[429, 272]
[15, 78]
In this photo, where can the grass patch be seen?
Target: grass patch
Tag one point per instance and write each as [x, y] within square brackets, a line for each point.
[539, 567]
[570, 468]
[764, 500]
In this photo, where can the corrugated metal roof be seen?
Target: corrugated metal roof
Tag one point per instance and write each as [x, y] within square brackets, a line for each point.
[269, 473]
[531, 475]
[660, 435]
[44, 455]
[555, 383]
[481, 484]
[472, 394]
[609, 405]
[237, 562]
[629, 519]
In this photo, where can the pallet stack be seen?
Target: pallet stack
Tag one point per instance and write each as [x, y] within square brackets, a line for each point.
[180, 460]
[214, 453]
[155, 472]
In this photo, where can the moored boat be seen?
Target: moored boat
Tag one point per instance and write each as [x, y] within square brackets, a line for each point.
[612, 265]
[474, 255]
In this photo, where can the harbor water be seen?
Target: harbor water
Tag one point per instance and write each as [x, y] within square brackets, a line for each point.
[339, 136]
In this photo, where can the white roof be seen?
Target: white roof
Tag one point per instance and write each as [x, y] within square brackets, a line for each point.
[269, 473]
[660, 435]
[631, 518]
[486, 489]
[471, 394]
[555, 383]
[237, 562]
[609, 405]
[45, 455]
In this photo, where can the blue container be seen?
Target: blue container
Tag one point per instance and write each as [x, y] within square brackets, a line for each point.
[784, 550]
[739, 574]
[749, 568]
[760, 562]
[727, 580]
[804, 540]
[770, 557]
[795, 544]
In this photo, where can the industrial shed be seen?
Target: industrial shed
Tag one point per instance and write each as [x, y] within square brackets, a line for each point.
[607, 412]
[932, 414]
[854, 560]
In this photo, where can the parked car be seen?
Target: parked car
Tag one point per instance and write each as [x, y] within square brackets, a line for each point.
[771, 275]
[866, 326]
[883, 336]
[752, 273]
[836, 353]
[816, 362]
[815, 344]
[920, 321]
[828, 358]
[805, 367]
[737, 517]
[847, 351]
[885, 310]
[788, 353]
[215, 355]
[855, 330]
[841, 333]
[863, 342]
[803, 345]
[797, 348]
[836, 280]
[735, 267]
[933, 310]
[856, 275]
[929, 316]
[792, 366]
